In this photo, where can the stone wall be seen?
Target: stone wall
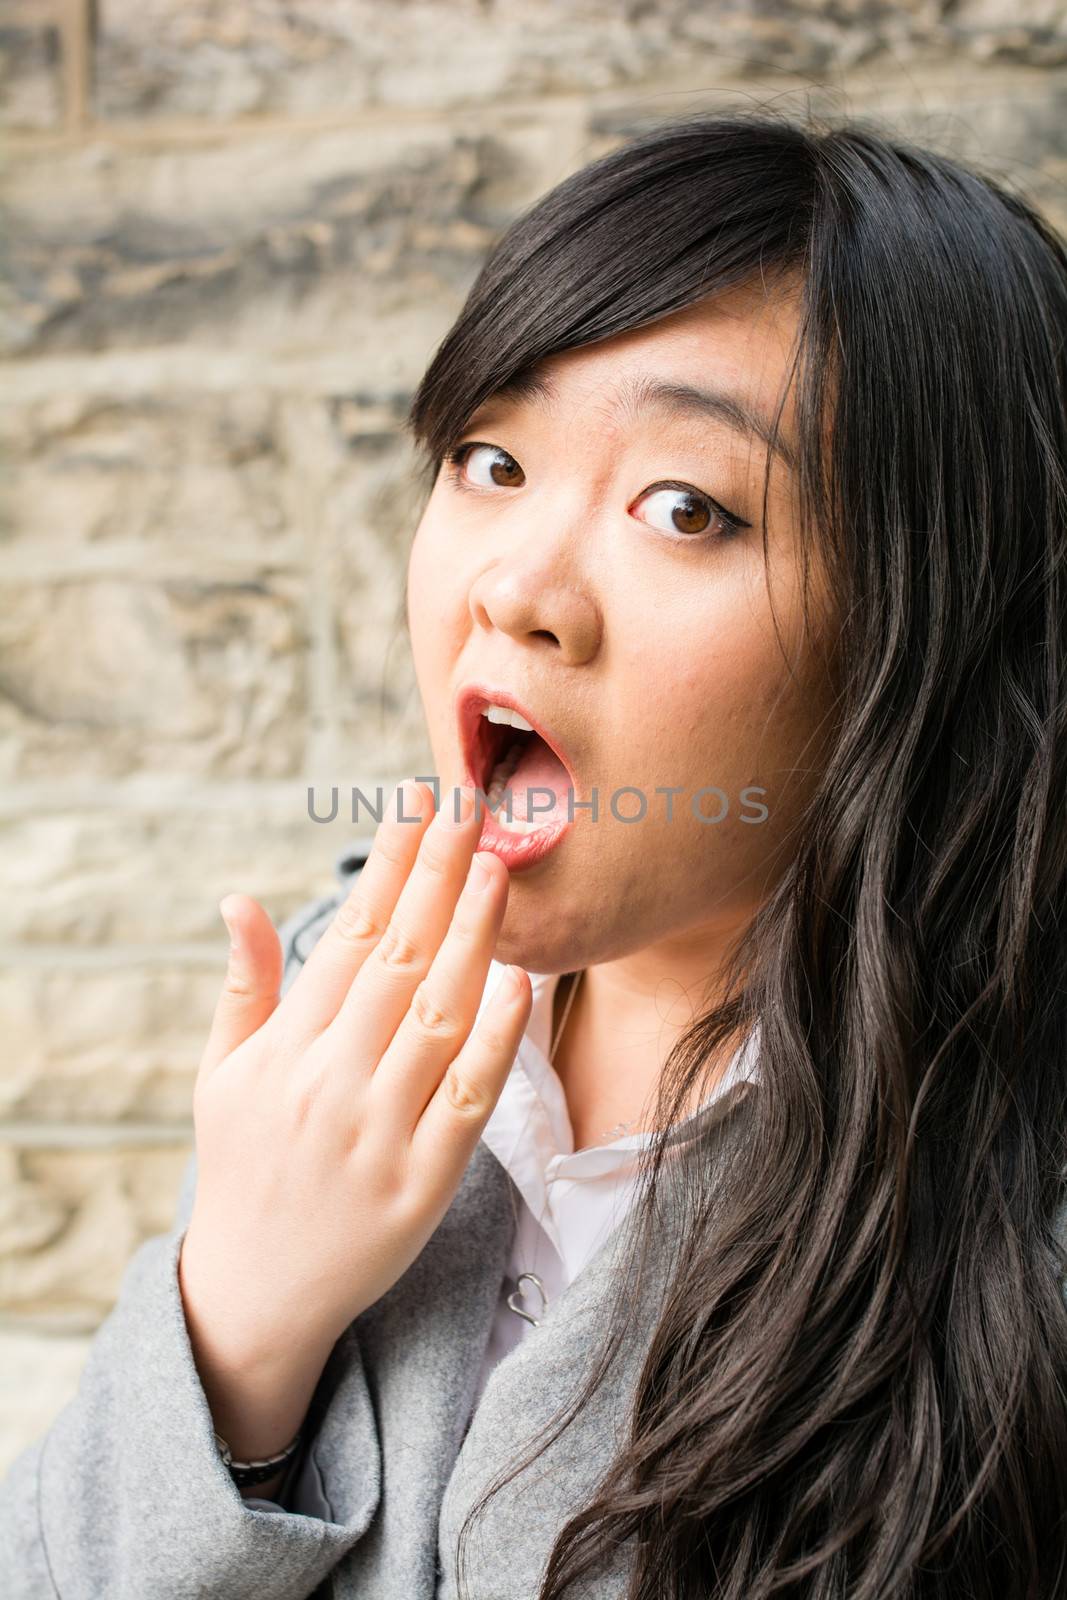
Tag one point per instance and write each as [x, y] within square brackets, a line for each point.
[235, 233]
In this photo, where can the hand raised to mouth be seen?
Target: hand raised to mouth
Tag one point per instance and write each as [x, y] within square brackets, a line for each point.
[334, 1125]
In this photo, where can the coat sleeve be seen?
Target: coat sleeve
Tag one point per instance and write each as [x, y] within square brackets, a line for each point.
[126, 1496]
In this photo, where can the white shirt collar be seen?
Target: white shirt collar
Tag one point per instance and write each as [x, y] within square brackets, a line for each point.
[529, 1129]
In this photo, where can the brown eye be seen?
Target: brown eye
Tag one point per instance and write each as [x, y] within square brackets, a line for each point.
[502, 473]
[685, 513]
[679, 511]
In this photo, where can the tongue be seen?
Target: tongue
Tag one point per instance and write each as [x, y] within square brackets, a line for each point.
[539, 768]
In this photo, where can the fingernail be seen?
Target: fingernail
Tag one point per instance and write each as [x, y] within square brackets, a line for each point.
[457, 807]
[477, 876]
[509, 983]
[409, 801]
[225, 918]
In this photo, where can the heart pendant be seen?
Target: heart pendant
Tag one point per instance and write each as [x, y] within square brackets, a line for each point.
[518, 1292]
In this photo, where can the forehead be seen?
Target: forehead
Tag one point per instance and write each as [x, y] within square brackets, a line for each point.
[724, 362]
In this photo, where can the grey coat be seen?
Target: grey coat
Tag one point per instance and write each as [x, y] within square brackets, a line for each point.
[125, 1497]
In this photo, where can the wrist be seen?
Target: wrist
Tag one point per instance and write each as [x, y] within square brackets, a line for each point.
[256, 1474]
[241, 1342]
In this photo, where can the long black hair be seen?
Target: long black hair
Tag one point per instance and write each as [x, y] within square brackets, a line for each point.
[858, 1381]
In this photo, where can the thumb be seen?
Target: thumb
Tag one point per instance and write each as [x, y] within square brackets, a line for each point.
[252, 985]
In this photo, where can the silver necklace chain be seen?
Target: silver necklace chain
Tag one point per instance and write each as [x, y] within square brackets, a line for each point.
[516, 1299]
[571, 992]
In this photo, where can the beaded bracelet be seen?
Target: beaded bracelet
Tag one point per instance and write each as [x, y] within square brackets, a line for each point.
[245, 1473]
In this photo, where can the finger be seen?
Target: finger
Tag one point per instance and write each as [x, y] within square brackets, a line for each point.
[381, 992]
[445, 1004]
[312, 1001]
[452, 1123]
[253, 978]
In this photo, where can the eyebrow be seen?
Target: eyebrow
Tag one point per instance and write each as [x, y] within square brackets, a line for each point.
[642, 394]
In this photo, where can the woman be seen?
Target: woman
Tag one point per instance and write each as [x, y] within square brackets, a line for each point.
[747, 471]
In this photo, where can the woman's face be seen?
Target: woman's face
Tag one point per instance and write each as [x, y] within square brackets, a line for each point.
[575, 560]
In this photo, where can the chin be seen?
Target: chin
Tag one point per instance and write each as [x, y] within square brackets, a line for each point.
[536, 940]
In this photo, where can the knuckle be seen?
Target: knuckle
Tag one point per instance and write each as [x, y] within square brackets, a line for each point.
[466, 926]
[462, 1095]
[403, 1198]
[434, 855]
[397, 950]
[301, 1093]
[435, 1021]
[239, 985]
[388, 848]
[354, 922]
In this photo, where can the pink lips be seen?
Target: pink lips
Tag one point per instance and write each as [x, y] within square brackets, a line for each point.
[519, 851]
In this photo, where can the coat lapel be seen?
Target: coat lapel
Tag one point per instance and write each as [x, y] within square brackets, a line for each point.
[421, 1347]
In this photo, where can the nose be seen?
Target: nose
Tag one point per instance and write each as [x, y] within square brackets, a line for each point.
[532, 604]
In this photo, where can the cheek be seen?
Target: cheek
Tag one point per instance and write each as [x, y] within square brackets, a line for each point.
[722, 708]
[434, 608]
[708, 682]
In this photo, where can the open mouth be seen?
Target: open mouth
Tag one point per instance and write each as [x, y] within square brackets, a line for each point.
[525, 780]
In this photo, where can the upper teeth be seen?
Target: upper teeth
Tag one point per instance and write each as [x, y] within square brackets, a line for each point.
[505, 714]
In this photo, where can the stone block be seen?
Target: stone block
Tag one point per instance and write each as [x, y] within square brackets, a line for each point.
[272, 242]
[70, 1219]
[30, 96]
[193, 59]
[107, 675]
[163, 466]
[105, 1042]
[98, 877]
[369, 498]
[172, 58]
